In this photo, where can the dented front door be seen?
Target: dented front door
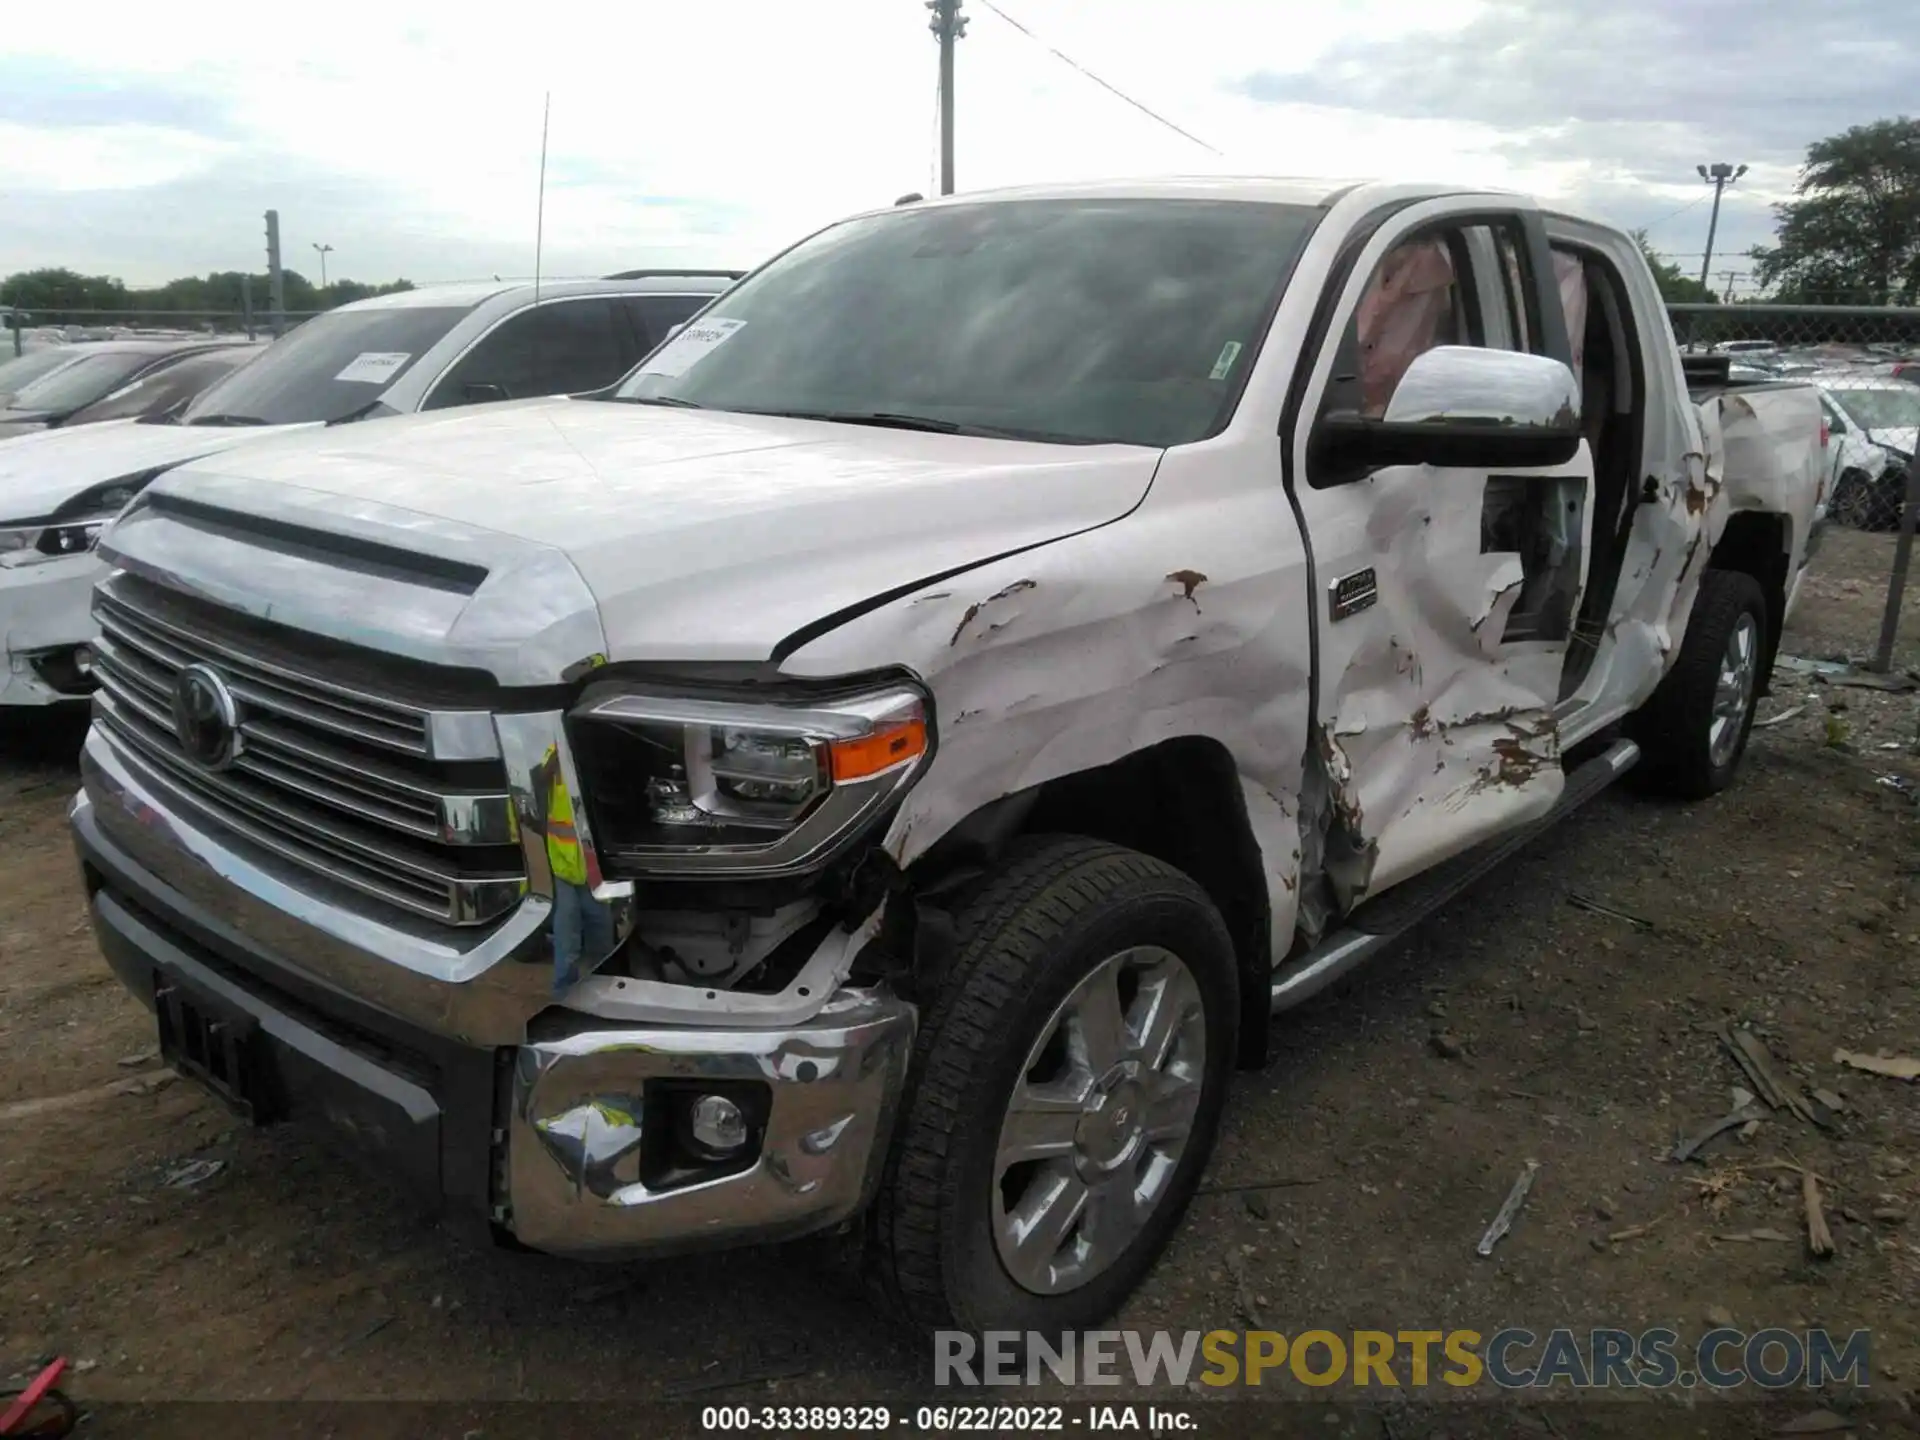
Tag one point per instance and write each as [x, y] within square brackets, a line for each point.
[1445, 596]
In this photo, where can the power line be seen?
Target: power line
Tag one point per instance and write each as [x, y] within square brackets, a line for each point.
[1104, 85]
[1674, 214]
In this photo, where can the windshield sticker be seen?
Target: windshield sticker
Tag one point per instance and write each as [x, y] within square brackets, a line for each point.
[1229, 353]
[691, 346]
[375, 367]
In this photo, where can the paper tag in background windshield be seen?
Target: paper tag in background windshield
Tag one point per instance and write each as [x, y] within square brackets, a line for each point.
[690, 346]
[375, 367]
[1222, 367]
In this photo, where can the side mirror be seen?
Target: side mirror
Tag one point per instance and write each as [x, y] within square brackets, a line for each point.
[1465, 406]
[675, 331]
[479, 392]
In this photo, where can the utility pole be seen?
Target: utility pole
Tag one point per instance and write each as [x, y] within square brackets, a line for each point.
[948, 25]
[325, 250]
[276, 284]
[1719, 175]
[1732, 278]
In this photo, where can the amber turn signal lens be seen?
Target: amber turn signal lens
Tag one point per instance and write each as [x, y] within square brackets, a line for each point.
[892, 744]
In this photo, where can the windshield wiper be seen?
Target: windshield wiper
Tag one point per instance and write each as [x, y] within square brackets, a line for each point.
[226, 420]
[671, 400]
[885, 419]
[359, 412]
[896, 420]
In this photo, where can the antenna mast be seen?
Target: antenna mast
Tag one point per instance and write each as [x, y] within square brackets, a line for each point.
[540, 205]
[540, 235]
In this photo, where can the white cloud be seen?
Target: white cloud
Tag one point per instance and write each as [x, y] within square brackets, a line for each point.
[107, 157]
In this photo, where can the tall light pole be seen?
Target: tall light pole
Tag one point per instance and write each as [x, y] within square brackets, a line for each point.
[324, 250]
[1719, 176]
[947, 26]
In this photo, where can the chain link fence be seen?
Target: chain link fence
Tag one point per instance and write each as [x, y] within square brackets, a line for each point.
[31, 330]
[1865, 362]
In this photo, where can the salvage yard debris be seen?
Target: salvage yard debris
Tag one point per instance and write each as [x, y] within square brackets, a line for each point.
[1757, 1061]
[1894, 1067]
[1819, 1238]
[144, 1084]
[1585, 902]
[1687, 1149]
[1634, 1232]
[1781, 718]
[1815, 1422]
[193, 1173]
[1503, 1221]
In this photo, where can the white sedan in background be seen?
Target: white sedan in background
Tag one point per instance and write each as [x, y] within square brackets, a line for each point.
[1875, 427]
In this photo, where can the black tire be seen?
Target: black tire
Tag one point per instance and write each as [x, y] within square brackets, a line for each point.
[1673, 728]
[1028, 934]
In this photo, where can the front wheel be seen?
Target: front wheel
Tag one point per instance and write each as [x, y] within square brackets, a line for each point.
[1066, 1089]
[1852, 503]
[1693, 731]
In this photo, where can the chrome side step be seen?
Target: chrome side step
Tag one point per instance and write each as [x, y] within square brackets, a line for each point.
[1378, 923]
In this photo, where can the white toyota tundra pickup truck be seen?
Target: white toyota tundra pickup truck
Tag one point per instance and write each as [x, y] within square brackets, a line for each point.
[879, 766]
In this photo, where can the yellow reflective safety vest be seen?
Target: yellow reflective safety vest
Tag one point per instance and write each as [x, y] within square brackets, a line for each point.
[563, 842]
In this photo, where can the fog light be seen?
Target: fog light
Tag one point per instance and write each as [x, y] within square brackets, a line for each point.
[717, 1125]
[83, 660]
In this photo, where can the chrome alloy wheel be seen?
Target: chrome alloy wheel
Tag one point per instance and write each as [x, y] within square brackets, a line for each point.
[1097, 1121]
[1733, 692]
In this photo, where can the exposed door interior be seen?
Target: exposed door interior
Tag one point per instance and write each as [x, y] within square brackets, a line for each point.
[1606, 361]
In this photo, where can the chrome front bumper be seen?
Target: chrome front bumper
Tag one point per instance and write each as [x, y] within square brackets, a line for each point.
[582, 1122]
[551, 1133]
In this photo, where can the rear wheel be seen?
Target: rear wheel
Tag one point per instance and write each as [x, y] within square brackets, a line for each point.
[1066, 1091]
[1693, 731]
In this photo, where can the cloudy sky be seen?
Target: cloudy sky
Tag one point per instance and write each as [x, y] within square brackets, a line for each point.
[406, 135]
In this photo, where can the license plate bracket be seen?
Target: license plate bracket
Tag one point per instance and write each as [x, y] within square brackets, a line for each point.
[215, 1043]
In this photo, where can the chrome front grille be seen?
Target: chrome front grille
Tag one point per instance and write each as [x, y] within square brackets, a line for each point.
[344, 782]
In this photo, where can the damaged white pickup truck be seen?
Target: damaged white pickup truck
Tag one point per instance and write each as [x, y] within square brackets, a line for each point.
[885, 760]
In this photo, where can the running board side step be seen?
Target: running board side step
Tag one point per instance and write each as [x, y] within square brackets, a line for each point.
[1378, 923]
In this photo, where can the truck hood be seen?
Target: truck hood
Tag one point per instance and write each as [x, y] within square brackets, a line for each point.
[699, 534]
[43, 470]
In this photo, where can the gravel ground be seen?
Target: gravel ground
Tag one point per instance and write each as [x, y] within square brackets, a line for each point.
[1352, 1181]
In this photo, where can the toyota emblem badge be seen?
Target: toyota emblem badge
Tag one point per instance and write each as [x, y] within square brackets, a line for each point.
[206, 718]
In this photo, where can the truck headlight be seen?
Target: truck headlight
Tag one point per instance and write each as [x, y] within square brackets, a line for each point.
[687, 787]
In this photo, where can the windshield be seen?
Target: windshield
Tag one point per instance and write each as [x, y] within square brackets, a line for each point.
[166, 387]
[331, 366]
[81, 383]
[16, 375]
[1889, 409]
[1087, 321]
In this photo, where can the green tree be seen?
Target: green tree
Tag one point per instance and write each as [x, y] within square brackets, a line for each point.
[62, 289]
[1675, 288]
[55, 295]
[1853, 236]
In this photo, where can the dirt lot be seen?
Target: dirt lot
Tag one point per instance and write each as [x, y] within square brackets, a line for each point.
[1352, 1182]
